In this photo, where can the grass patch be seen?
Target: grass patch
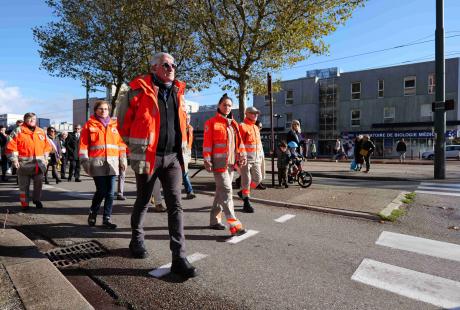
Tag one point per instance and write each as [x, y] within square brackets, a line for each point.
[409, 198]
[395, 214]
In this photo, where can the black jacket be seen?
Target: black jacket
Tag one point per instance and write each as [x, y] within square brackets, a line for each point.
[368, 146]
[283, 159]
[293, 136]
[72, 144]
[401, 147]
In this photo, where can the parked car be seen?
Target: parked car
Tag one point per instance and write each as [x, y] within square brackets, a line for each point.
[452, 151]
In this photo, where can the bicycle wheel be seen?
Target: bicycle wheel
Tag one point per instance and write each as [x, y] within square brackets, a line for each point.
[304, 179]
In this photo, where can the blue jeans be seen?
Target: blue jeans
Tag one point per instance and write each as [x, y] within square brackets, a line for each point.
[105, 186]
[187, 183]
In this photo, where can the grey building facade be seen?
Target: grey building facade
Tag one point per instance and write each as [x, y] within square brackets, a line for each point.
[387, 103]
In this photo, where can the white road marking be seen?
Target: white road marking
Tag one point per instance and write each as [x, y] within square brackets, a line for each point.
[165, 269]
[419, 245]
[68, 192]
[236, 239]
[440, 184]
[438, 193]
[453, 189]
[284, 218]
[437, 291]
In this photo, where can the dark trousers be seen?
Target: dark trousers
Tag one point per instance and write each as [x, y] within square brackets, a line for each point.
[367, 159]
[169, 171]
[74, 169]
[63, 166]
[53, 172]
[282, 176]
[105, 186]
[4, 165]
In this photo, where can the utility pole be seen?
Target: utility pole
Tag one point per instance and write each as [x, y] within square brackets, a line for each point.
[439, 109]
[272, 146]
[87, 98]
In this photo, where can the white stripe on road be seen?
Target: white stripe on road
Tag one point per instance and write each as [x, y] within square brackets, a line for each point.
[409, 283]
[440, 184]
[453, 189]
[438, 193]
[420, 245]
[165, 269]
[68, 192]
[284, 218]
[236, 239]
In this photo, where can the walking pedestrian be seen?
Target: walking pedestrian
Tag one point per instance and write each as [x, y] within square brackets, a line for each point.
[72, 143]
[283, 164]
[337, 150]
[359, 159]
[28, 151]
[4, 159]
[54, 156]
[153, 123]
[223, 149]
[314, 153]
[401, 148]
[366, 151]
[187, 154]
[102, 154]
[251, 173]
[157, 198]
[62, 143]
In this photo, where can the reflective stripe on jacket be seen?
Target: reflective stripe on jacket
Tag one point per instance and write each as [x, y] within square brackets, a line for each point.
[139, 122]
[250, 134]
[101, 148]
[29, 148]
[215, 142]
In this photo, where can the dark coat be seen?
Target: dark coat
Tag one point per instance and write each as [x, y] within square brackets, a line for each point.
[293, 136]
[401, 147]
[283, 159]
[72, 146]
[368, 146]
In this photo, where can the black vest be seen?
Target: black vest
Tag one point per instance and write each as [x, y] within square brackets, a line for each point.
[169, 139]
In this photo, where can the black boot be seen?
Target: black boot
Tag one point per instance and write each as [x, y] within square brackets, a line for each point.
[38, 204]
[92, 219]
[107, 224]
[138, 249]
[247, 206]
[182, 267]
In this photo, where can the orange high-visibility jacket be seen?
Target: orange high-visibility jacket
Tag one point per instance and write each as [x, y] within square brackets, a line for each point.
[29, 148]
[102, 149]
[250, 134]
[139, 122]
[189, 136]
[215, 142]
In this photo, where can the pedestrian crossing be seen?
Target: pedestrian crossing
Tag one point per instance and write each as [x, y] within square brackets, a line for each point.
[441, 189]
[438, 291]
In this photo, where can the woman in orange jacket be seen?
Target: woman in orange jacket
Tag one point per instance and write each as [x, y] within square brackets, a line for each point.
[102, 155]
[222, 151]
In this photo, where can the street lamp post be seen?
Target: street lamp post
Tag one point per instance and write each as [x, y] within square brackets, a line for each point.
[277, 116]
[87, 98]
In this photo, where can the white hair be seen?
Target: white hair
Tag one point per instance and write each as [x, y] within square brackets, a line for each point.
[158, 56]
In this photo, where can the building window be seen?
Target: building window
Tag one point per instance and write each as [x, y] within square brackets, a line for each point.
[356, 91]
[380, 87]
[409, 86]
[425, 112]
[431, 83]
[355, 118]
[288, 120]
[388, 114]
[289, 97]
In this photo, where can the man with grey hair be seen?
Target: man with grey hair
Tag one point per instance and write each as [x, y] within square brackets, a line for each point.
[152, 122]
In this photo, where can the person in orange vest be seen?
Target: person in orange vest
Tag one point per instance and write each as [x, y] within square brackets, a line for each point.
[223, 150]
[28, 150]
[187, 157]
[152, 121]
[251, 174]
[102, 155]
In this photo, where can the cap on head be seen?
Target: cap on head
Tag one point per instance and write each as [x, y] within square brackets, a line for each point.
[252, 110]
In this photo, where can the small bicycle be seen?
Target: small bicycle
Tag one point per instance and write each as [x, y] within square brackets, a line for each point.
[296, 173]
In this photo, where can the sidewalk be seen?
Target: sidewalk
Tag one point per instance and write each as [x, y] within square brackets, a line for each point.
[34, 278]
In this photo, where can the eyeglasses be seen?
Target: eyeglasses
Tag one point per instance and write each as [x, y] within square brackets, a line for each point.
[169, 66]
[103, 109]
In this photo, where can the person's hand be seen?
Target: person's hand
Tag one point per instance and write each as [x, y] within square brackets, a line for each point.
[243, 161]
[16, 164]
[122, 167]
[207, 166]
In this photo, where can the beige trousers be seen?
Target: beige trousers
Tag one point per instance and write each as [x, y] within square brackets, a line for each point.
[251, 176]
[223, 200]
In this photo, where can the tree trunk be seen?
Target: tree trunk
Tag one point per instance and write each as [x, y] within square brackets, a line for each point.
[242, 98]
[115, 97]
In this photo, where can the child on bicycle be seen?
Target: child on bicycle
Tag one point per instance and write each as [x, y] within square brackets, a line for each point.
[295, 160]
[283, 163]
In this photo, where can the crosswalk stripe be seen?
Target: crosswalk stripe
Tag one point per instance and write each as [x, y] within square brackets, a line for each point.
[440, 184]
[284, 218]
[431, 289]
[165, 269]
[236, 239]
[440, 188]
[438, 193]
[419, 245]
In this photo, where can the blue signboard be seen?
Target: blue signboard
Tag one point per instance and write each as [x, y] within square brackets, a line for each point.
[414, 134]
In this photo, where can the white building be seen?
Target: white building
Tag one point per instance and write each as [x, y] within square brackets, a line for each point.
[63, 126]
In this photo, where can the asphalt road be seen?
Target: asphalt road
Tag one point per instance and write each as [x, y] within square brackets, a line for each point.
[306, 262]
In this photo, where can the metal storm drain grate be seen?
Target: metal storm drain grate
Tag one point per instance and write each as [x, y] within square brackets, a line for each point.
[63, 257]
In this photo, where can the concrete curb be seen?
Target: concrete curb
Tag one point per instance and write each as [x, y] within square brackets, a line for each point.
[40, 285]
[393, 205]
[364, 215]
